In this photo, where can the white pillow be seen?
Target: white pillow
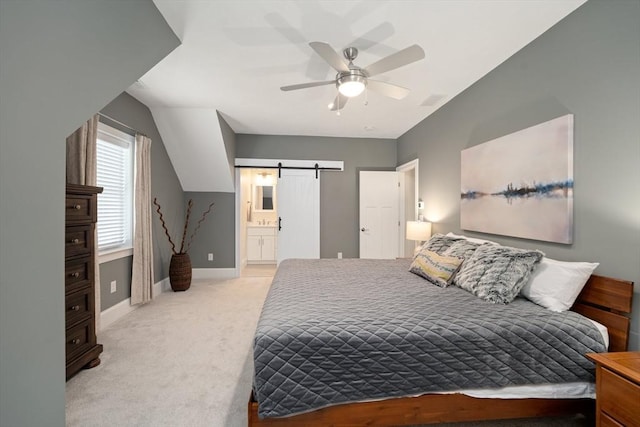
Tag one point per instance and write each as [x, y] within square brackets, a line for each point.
[556, 284]
[471, 239]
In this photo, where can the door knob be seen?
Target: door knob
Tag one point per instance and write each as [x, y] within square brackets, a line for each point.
[363, 229]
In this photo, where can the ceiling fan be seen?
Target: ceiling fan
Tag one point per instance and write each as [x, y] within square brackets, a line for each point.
[352, 80]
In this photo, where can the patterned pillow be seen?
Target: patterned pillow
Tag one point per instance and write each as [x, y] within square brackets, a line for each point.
[439, 243]
[471, 239]
[461, 249]
[438, 269]
[497, 273]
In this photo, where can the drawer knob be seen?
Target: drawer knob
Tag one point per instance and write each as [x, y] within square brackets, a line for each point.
[75, 274]
[77, 207]
[75, 241]
[75, 308]
[75, 341]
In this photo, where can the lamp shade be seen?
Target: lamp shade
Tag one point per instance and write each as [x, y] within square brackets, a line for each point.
[351, 85]
[418, 230]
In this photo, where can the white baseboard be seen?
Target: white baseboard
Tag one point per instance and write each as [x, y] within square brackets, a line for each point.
[214, 273]
[118, 311]
[162, 286]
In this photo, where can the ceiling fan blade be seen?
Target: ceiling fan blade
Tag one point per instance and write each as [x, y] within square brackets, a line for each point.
[374, 37]
[330, 55]
[396, 60]
[387, 89]
[338, 103]
[306, 85]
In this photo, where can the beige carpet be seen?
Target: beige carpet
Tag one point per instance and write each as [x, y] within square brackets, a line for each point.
[259, 270]
[184, 360]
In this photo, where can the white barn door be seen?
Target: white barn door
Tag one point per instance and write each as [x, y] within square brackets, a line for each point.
[379, 214]
[299, 214]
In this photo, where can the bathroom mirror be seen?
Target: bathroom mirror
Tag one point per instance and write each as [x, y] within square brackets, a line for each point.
[264, 198]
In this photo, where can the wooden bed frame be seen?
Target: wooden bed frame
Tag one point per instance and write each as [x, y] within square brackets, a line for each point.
[603, 299]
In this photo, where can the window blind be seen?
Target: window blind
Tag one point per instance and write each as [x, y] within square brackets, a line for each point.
[114, 174]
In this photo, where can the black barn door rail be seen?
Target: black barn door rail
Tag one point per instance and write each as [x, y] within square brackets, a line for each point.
[317, 168]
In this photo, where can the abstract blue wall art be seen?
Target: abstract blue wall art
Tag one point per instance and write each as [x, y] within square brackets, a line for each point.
[521, 184]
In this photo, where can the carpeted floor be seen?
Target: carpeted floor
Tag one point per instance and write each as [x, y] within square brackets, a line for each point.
[184, 360]
[259, 270]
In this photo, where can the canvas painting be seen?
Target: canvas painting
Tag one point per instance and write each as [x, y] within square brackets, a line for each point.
[521, 184]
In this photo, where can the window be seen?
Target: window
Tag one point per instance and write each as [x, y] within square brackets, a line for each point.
[115, 175]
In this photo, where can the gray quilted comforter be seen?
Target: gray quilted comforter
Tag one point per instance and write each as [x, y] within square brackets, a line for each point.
[338, 331]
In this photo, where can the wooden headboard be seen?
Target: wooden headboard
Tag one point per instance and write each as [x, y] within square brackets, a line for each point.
[608, 301]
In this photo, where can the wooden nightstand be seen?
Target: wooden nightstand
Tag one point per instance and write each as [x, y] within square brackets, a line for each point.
[617, 388]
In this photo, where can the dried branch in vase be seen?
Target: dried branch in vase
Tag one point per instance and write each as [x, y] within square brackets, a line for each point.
[195, 230]
[183, 249]
[186, 225]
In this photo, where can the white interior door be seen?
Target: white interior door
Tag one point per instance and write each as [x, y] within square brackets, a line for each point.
[299, 214]
[379, 216]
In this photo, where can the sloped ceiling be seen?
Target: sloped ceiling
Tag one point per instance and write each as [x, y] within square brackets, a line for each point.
[195, 144]
[235, 56]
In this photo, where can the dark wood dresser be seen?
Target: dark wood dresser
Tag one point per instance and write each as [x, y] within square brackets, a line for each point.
[81, 212]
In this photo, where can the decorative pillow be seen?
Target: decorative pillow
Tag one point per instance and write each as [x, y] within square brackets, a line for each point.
[438, 243]
[438, 269]
[497, 273]
[471, 239]
[556, 284]
[461, 249]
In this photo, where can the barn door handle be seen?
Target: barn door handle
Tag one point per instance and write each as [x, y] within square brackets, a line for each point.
[279, 223]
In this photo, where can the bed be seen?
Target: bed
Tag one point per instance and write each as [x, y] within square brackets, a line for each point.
[351, 342]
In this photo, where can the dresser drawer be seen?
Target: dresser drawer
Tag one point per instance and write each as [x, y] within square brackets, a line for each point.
[79, 339]
[78, 240]
[80, 209]
[619, 397]
[606, 421]
[78, 307]
[78, 274]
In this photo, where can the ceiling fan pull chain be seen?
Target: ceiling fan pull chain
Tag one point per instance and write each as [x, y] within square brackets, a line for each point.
[366, 96]
[338, 101]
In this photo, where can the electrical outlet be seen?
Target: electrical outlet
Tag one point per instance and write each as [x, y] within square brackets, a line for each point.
[210, 257]
[339, 255]
[113, 286]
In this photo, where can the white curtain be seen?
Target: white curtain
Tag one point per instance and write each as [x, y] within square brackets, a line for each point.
[142, 274]
[81, 154]
[81, 169]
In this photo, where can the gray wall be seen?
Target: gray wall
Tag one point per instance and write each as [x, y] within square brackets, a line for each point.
[338, 190]
[60, 63]
[164, 185]
[229, 139]
[587, 65]
[120, 271]
[217, 234]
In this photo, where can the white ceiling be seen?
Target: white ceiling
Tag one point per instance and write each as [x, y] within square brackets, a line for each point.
[235, 56]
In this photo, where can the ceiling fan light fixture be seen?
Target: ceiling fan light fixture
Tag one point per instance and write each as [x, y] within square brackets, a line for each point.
[351, 85]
